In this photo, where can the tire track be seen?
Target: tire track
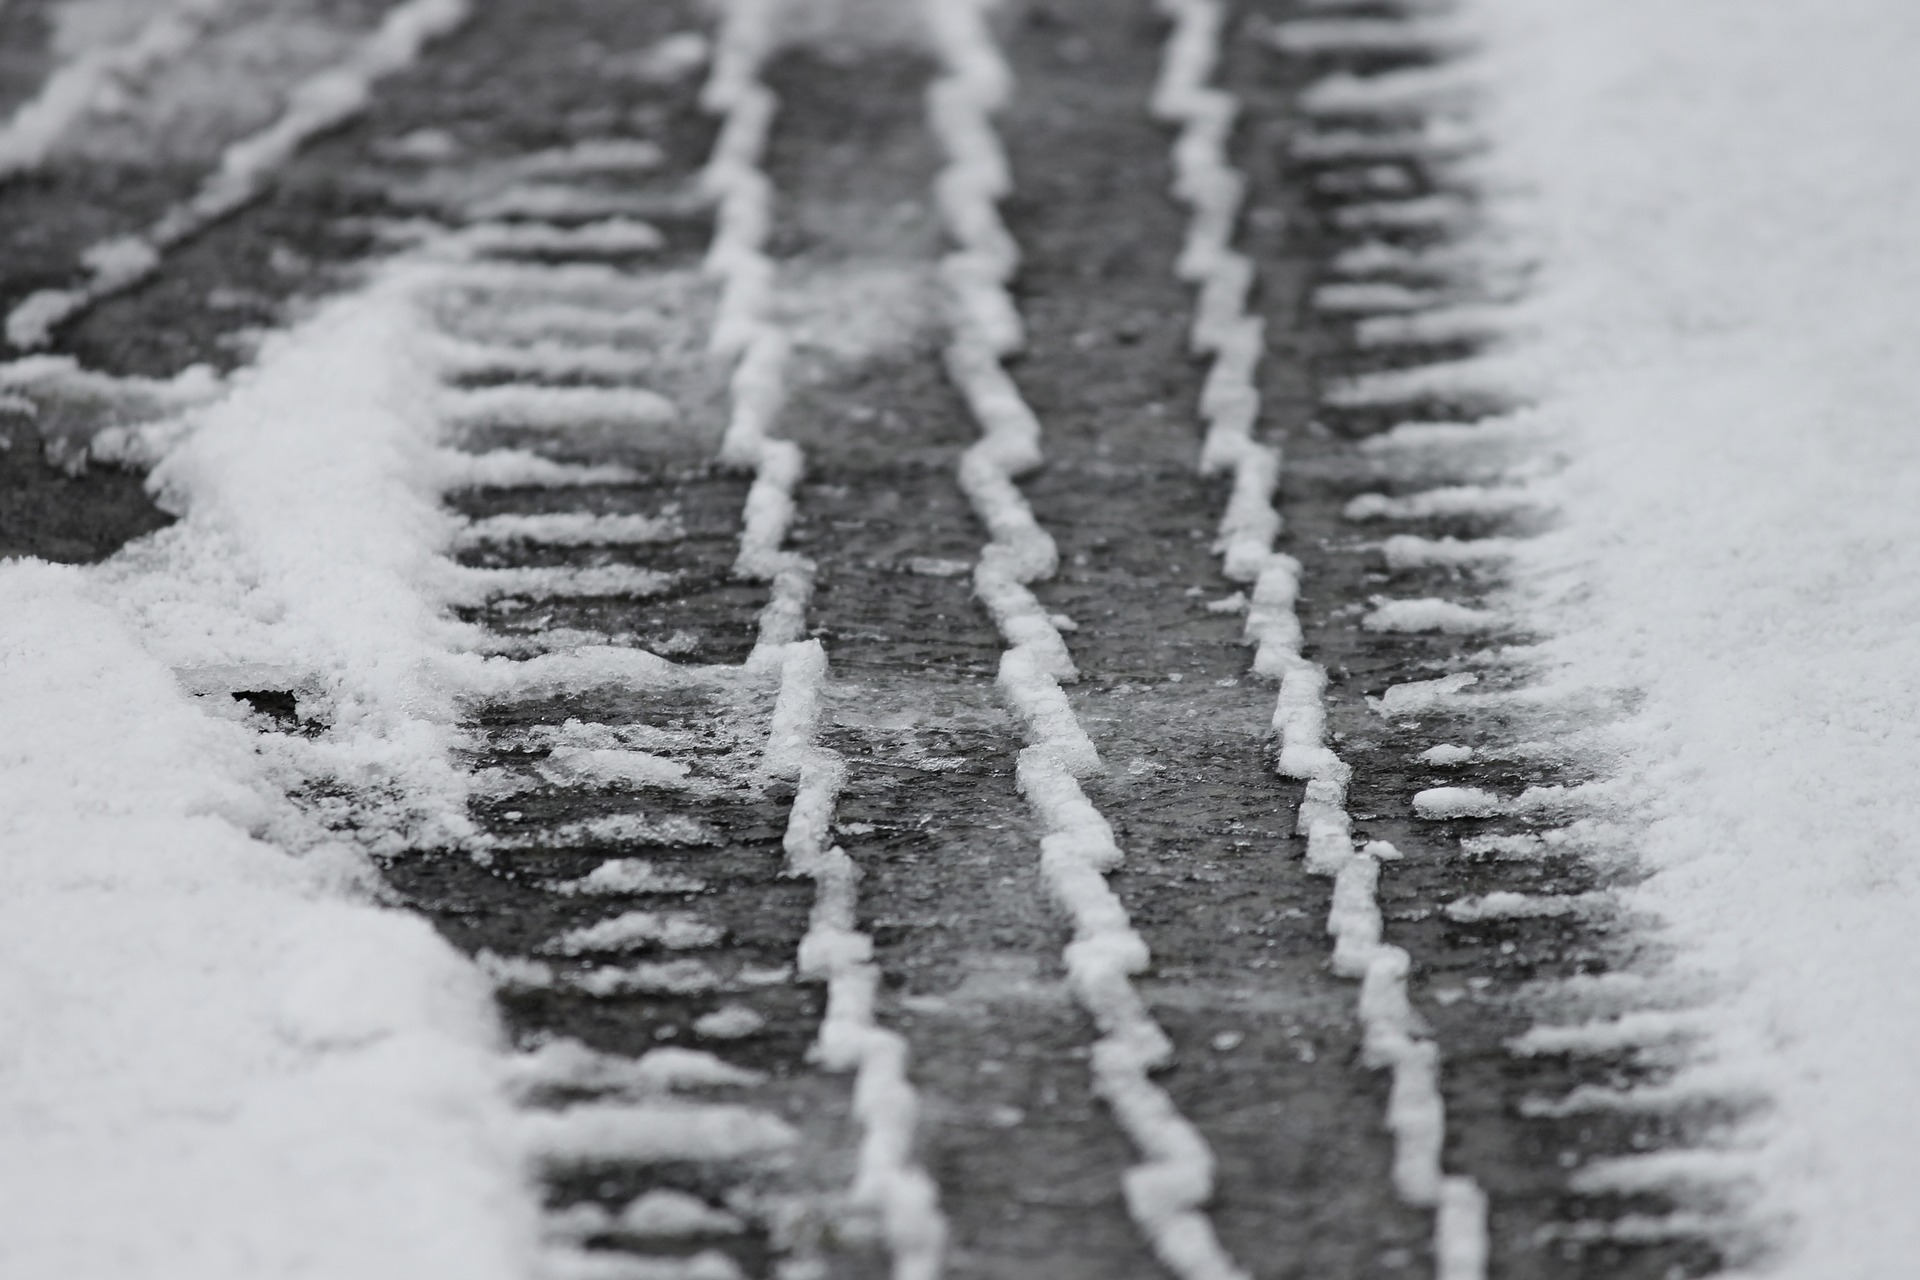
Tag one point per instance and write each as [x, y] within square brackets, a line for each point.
[656, 746]
[322, 102]
[77, 86]
[1500, 805]
[1027, 1158]
[1166, 1190]
[790, 671]
[834, 950]
[1234, 339]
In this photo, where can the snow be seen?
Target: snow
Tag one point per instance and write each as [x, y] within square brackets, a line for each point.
[1406, 551]
[1603, 1036]
[250, 1070]
[92, 72]
[656, 1131]
[729, 1022]
[658, 1214]
[214, 1032]
[1167, 1190]
[1460, 500]
[1504, 905]
[568, 1064]
[630, 876]
[470, 585]
[1446, 753]
[575, 529]
[311, 541]
[633, 930]
[1725, 203]
[1429, 614]
[322, 101]
[888, 1181]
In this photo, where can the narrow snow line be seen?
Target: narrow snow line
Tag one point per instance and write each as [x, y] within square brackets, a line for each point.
[555, 408]
[1446, 503]
[1431, 141]
[1459, 322]
[534, 321]
[571, 1065]
[468, 585]
[1637, 1031]
[520, 469]
[1408, 91]
[887, 1179]
[1374, 298]
[579, 282]
[612, 236]
[75, 88]
[560, 202]
[1701, 1173]
[321, 102]
[1206, 181]
[598, 156]
[546, 359]
[1397, 37]
[1435, 214]
[1165, 1192]
[656, 1132]
[1493, 378]
[573, 529]
[1406, 551]
[1429, 614]
[742, 331]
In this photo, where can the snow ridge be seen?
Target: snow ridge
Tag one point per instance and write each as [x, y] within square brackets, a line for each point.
[319, 103]
[887, 1179]
[74, 89]
[1166, 1191]
[1213, 189]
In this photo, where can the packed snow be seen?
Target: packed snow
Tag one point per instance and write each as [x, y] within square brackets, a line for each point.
[1724, 200]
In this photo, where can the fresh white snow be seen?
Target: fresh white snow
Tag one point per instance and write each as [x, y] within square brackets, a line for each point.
[220, 1059]
[1725, 202]
[217, 1062]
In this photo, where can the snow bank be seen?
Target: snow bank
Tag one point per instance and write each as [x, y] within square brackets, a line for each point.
[215, 1064]
[218, 1060]
[1726, 200]
[308, 558]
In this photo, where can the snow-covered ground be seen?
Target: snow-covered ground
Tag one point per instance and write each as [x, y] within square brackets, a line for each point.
[1724, 199]
[224, 1060]
[1723, 202]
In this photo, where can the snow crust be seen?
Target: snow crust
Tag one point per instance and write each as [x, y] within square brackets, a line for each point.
[1725, 202]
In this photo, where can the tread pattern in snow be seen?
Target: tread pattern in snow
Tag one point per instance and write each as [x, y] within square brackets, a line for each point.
[680, 787]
